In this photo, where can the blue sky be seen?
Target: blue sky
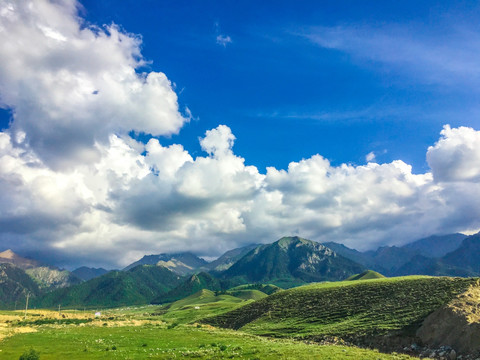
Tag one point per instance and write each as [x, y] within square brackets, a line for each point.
[140, 127]
[399, 72]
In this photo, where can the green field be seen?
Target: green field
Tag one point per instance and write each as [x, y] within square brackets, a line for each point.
[301, 323]
[158, 341]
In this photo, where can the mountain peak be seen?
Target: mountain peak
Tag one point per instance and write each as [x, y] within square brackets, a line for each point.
[286, 241]
[8, 254]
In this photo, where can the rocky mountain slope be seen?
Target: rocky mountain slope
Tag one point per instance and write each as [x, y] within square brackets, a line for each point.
[181, 263]
[290, 261]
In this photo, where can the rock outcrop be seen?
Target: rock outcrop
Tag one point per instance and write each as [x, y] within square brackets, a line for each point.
[457, 324]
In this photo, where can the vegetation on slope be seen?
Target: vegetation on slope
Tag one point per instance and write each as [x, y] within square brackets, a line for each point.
[199, 305]
[49, 279]
[366, 275]
[117, 288]
[109, 339]
[346, 309]
[15, 284]
[190, 286]
[268, 289]
[292, 261]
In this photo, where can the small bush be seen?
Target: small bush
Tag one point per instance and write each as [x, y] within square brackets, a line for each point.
[222, 347]
[29, 355]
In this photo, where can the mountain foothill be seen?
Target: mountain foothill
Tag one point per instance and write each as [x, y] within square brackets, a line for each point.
[285, 263]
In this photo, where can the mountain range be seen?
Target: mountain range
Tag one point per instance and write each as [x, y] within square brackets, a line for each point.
[287, 262]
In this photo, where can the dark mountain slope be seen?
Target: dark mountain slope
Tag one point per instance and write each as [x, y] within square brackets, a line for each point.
[117, 288]
[88, 273]
[467, 256]
[436, 246]
[15, 284]
[435, 267]
[190, 286]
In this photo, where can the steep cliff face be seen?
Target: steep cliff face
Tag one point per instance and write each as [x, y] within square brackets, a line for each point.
[457, 324]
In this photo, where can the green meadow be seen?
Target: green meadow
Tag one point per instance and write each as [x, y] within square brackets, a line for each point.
[242, 323]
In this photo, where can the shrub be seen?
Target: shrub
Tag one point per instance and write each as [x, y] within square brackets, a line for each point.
[30, 355]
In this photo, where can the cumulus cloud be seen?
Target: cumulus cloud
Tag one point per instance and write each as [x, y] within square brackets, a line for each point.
[71, 84]
[456, 156]
[76, 187]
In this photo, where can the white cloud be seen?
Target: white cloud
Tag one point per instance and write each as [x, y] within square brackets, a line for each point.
[370, 156]
[456, 156]
[123, 198]
[72, 85]
[223, 40]
[432, 58]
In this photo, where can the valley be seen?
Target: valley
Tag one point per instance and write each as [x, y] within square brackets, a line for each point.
[293, 298]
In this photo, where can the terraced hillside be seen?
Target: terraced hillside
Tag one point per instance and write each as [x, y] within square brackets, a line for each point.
[349, 309]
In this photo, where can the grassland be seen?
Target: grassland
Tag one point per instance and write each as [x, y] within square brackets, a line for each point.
[287, 320]
[349, 309]
[132, 333]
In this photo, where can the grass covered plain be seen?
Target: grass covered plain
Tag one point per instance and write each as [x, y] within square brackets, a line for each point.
[150, 340]
[183, 329]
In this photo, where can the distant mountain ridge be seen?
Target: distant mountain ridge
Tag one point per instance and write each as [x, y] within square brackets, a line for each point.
[180, 263]
[8, 256]
[427, 256]
[287, 262]
[229, 258]
[45, 276]
[87, 273]
[139, 285]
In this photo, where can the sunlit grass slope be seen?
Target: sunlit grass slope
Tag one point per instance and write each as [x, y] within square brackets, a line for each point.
[348, 308]
[156, 341]
[366, 275]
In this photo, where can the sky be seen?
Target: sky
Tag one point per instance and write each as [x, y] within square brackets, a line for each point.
[146, 127]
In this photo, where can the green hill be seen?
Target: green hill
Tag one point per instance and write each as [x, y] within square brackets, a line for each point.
[366, 275]
[117, 288]
[291, 261]
[268, 289]
[190, 286]
[351, 309]
[200, 305]
[247, 294]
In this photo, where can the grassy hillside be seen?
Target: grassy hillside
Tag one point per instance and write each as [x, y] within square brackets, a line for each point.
[268, 289]
[366, 275]
[346, 309]
[199, 305]
[116, 288]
